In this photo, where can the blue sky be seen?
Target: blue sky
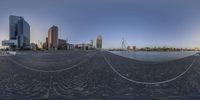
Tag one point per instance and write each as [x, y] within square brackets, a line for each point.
[174, 23]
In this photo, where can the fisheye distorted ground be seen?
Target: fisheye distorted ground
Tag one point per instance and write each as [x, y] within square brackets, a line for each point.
[87, 74]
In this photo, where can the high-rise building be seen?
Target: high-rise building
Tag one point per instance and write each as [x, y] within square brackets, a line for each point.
[99, 42]
[20, 31]
[45, 45]
[53, 38]
[91, 42]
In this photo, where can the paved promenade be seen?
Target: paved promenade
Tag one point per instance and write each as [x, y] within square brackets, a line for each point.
[96, 75]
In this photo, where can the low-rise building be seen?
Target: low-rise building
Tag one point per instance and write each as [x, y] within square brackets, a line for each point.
[11, 43]
[62, 44]
[70, 46]
[33, 46]
[131, 48]
[84, 46]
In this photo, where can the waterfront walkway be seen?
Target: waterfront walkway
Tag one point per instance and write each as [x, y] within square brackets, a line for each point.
[95, 74]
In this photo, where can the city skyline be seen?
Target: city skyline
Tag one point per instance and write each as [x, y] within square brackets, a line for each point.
[140, 23]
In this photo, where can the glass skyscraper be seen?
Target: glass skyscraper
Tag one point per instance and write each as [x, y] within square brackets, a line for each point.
[20, 31]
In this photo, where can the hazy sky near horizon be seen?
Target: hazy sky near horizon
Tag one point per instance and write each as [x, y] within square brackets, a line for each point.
[174, 23]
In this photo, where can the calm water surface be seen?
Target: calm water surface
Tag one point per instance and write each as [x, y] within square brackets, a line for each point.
[155, 56]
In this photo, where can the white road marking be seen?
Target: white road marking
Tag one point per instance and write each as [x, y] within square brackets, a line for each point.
[51, 71]
[147, 83]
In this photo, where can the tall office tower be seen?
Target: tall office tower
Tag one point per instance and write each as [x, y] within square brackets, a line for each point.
[53, 38]
[91, 43]
[20, 31]
[99, 42]
[46, 43]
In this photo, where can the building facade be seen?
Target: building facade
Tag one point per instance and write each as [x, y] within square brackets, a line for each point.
[70, 46]
[84, 46]
[20, 31]
[33, 46]
[91, 42]
[99, 42]
[62, 44]
[53, 38]
[45, 45]
[9, 43]
[131, 48]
